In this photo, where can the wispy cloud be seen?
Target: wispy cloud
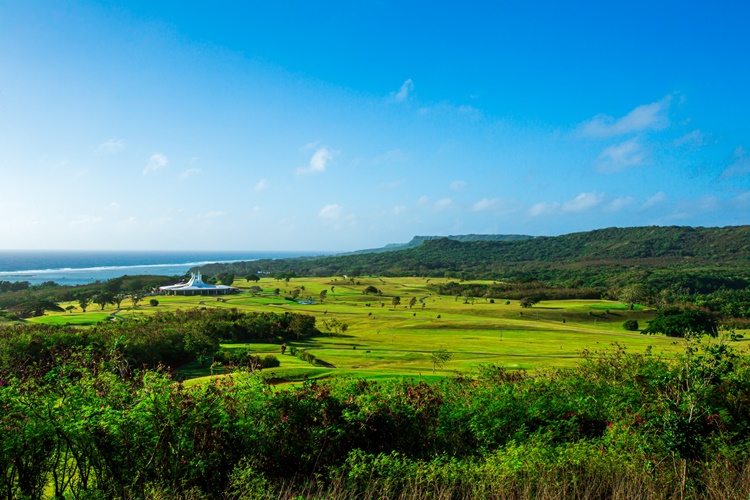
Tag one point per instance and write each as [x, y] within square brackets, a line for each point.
[619, 203]
[654, 200]
[335, 215]
[457, 185]
[739, 164]
[621, 156]
[391, 156]
[156, 162]
[398, 210]
[444, 108]
[213, 214]
[544, 208]
[485, 204]
[645, 117]
[404, 92]
[261, 185]
[190, 172]
[111, 146]
[318, 162]
[331, 212]
[694, 139]
[581, 203]
[443, 203]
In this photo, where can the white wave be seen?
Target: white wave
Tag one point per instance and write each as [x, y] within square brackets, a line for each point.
[28, 272]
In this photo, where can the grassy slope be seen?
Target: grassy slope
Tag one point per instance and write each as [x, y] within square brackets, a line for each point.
[383, 341]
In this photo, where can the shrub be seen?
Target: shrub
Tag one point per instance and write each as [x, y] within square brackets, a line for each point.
[153, 302]
[631, 325]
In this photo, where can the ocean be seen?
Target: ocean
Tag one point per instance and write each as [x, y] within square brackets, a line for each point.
[83, 267]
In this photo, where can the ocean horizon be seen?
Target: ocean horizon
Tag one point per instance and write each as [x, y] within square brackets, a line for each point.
[84, 267]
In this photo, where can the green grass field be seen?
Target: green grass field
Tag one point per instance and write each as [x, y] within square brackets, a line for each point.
[386, 341]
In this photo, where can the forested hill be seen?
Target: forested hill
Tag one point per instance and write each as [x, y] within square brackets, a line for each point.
[603, 257]
[418, 240]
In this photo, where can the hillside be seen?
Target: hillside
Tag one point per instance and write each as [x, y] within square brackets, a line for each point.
[697, 258]
[418, 240]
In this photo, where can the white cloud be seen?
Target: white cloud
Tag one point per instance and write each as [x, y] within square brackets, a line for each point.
[156, 162]
[619, 203]
[621, 156]
[256, 212]
[485, 204]
[318, 162]
[694, 139]
[213, 214]
[457, 185]
[654, 200]
[423, 200]
[463, 110]
[544, 208]
[739, 164]
[261, 185]
[335, 215]
[391, 156]
[111, 146]
[190, 172]
[583, 202]
[443, 203]
[330, 212]
[403, 93]
[398, 210]
[645, 117]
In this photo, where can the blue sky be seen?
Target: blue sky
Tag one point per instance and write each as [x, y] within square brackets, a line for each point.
[347, 125]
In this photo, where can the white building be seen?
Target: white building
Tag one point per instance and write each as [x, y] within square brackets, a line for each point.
[195, 286]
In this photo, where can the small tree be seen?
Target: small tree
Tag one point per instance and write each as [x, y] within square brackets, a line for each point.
[322, 295]
[412, 302]
[103, 298]
[527, 302]
[153, 302]
[632, 294]
[440, 358]
[252, 277]
[83, 303]
[396, 301]
[136, 297]
[117, 299]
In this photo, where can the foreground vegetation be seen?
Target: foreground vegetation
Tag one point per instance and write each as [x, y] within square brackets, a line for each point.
[615, 425]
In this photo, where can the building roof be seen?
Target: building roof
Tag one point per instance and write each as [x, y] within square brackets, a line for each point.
[195, 283]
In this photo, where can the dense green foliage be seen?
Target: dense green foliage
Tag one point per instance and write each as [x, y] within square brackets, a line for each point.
[24, 300]
[663, 429]
[418, 240]
[683, 323]
[684, 259]
[171, 339]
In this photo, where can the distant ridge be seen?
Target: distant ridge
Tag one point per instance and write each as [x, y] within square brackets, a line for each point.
[418, 240]
[699, 259]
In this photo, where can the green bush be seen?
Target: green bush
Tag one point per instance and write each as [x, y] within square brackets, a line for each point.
[630, 325]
